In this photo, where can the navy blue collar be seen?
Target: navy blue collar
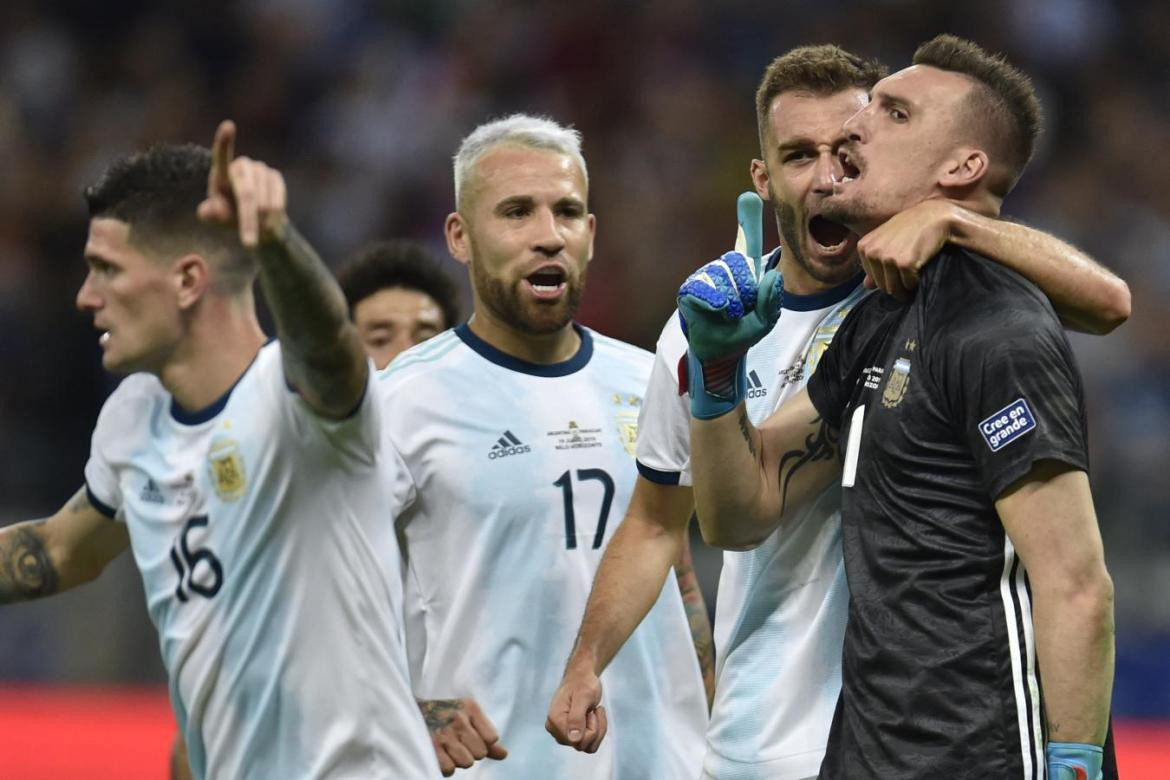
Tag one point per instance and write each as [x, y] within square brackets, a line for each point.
[564, 368]
[821, 300]
[182, 416]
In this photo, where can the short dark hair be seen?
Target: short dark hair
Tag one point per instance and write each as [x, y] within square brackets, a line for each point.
[399, 263]
[820, 70]
[156, 193]
[1002, 107]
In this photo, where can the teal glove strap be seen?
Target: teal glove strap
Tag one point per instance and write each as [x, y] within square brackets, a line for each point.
[1074, 761]
[716, 387]
[724, 312]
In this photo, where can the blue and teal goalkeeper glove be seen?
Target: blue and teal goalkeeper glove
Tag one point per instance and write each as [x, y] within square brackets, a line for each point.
[724, 312]
[1074, 761]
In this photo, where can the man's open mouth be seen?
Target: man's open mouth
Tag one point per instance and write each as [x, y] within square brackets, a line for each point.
[829, 236]
[849, 169]
[547, 282]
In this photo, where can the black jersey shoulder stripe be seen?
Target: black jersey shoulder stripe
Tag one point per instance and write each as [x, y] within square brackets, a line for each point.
[1018, 614]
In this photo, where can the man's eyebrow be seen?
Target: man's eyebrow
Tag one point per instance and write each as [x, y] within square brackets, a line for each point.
[800, 142]
[891, 99]
[515, 200]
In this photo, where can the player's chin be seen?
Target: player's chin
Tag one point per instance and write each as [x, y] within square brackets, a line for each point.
[542, 318]
[836, 267]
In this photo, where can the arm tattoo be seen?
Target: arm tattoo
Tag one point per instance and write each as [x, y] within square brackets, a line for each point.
[305, 300]
[698, 620]
[439, 713]
[26, 570]
[819, 445]
[746, 429]
[319, 347]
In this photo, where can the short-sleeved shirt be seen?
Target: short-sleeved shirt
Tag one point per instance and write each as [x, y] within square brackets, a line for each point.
[943, 403]
[516, 476]
[261, 535]
[781, 607]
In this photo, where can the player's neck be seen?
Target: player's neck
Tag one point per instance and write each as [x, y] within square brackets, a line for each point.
[540, 348]
[220, 344]
[798, 280]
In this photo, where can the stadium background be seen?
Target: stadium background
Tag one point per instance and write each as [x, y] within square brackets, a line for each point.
[361, 103]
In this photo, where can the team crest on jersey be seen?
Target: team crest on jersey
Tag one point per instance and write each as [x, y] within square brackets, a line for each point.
[628, 432]
[627, 421]
[897, 383]
[226, 465]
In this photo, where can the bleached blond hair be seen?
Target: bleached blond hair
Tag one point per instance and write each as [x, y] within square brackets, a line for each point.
[534, 132]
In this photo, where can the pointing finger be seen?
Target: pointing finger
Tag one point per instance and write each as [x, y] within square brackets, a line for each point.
[243, 184]
[222, 151]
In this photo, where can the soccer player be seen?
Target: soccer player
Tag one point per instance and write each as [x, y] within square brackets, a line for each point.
[973, 557]
[246, 477]
[518, 442]
[782, 606]
[398, 297]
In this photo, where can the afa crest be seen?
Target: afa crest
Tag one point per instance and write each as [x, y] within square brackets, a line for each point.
[628, 430]
[897, 383]
[226, 466]
[627, 421]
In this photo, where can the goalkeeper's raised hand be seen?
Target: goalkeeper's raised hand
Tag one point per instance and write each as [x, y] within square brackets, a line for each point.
[724, 311]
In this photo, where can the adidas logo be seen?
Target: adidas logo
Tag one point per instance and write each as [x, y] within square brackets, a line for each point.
[507, 445]
[151, 494]
[756, 388]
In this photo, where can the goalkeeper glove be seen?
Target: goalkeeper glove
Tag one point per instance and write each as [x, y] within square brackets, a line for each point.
[1074, 761]
[724, 311]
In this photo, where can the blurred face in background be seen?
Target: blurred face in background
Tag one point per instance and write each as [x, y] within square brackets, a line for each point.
[797, 174]
[900, 146]
[133, 298]
[525, 232]
[394, 319]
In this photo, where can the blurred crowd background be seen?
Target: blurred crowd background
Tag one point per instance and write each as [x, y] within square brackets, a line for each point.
[362, 103]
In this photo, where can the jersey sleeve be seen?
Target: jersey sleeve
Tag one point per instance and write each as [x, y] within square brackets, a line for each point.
[355, 437]
[398, 477]
[101, 479]
[127, 405]
[1016, 394]
[664, 434]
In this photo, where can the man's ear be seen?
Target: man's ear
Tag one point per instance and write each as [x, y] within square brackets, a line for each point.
[758, 170]
[965, 170]
[458, 241]
[192, 278]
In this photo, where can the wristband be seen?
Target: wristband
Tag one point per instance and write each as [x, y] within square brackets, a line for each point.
[717, 386]
[1074, 761]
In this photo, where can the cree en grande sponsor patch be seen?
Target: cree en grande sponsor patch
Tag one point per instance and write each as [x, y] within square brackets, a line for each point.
[1007, 425]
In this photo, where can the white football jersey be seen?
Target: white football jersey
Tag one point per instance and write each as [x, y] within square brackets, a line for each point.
[781, 608]
[516, 476]
[260, 532]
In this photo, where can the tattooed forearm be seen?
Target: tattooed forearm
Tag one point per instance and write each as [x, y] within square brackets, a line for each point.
[697, 618]
[322, 355]
[26, 569]
[819, 445]
[302, 294]
[746, 429]
[439, 713]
